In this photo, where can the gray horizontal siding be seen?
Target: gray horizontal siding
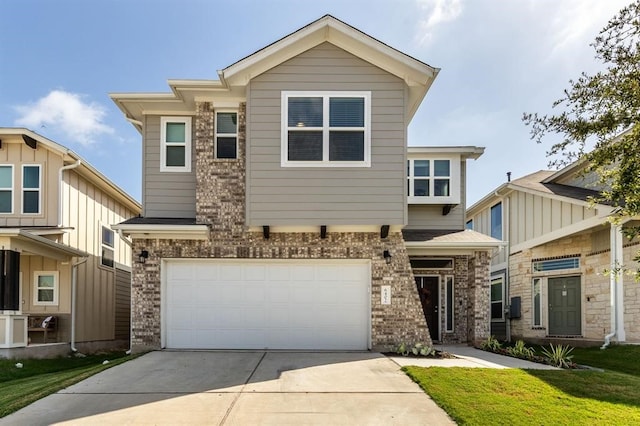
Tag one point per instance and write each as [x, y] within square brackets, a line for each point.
[326, 196]
[166, 194]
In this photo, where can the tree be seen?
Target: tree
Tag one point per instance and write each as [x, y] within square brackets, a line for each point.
[603, 111]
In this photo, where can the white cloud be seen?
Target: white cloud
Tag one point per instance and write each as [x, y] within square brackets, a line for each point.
[66, 113]
[435, 12]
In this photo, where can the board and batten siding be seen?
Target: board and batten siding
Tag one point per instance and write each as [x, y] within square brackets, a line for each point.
[18, 154]
[326, 195]
[429, 216]
[166, 194]
[87, 208]
[123, 304]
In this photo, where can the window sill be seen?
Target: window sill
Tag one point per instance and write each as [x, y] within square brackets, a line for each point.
[326, 164]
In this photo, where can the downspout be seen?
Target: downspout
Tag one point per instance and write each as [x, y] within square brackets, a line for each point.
[60, 192]
[614, 281]
[506, 216]
[74, 290]
[127, 242]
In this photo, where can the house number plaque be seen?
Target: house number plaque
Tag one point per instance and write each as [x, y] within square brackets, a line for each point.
[385, 295]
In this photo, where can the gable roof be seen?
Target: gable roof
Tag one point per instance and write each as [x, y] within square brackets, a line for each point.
[417, 75]
[69, 156]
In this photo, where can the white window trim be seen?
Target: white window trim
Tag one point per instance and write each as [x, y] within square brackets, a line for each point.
[103, 245]
[164, 144]
[446, 305]
[12, 189]
[225, 135]
[325, 95]
[495, 277]
[533, 307]
[56, 287]
[454, 181]
[39, 190]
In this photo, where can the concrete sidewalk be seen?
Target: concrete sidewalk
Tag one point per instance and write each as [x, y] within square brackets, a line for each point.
[467, 356]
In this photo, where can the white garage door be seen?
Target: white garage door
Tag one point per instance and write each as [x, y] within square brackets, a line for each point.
[219, 304]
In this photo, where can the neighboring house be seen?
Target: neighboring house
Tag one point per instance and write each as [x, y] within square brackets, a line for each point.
[552, 281]
[59, 257]
[275, 201]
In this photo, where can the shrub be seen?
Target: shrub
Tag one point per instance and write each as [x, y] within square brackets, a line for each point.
[491, 344]
[520, 350]
[558, 355]
[421, 349]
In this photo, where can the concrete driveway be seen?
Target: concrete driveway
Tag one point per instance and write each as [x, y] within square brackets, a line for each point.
[236, 388]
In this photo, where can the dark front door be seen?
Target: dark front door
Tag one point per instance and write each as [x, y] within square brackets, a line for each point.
[428, 289]
[564, 306]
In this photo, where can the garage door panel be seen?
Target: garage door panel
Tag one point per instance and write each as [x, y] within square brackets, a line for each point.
[263, 304]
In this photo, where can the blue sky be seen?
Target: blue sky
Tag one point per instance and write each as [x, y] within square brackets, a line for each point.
[60, 59]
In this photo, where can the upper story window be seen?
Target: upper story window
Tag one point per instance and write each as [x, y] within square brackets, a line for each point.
[326, 129]
[175, 144]
[45, 288]
[496, 221]
[226, 135]
[469, 224]
[6, 189]
[108, 243]
[31, 181]
[433, 181]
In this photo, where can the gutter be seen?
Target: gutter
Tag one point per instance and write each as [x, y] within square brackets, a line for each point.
[74, 291]
[60, 193]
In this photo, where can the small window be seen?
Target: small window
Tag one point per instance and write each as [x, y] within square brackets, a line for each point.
[432, 181]
[108, 240]
[434, 263]
[6, 189]
[326, 129]
[537, 302]
[45, 288]
[556, 264]
[449, 300]
[497, 298]
[227, 135]
[175, 141]
[31, 189]
[469, 224]
[496, 221]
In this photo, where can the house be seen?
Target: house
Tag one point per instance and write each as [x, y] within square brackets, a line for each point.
[62, 264]
[282, 208]
[552, 281]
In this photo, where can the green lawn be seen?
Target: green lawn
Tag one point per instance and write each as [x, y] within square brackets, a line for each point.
[38, 378]
[478, 396]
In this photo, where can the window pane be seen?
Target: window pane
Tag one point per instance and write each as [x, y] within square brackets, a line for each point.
[45, 295]
[496, 310]
[496, 221]
[421, 188]
[31, 202]
[449, 316]
[107, 236]
[175, 132]
[305, 146]
[227, 122]
[45, 281]
[346, 146]
[6, 179]
[305, 112]
[537, 302]
[470, 224]
[226, 148]
[441, 187]
[441, 167]
[346, 112]
[421, 168]
[107, 257]
[175, 156]
[31, 177]
[496, 290]
[5, 201]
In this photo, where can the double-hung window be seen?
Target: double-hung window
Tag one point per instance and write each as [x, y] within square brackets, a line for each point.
[226, 135]
[432, 181]
[175, 144]
[31, 181]
[45, 285]
[497, 298]
[326, 129]
[108, 242]
[6, 189]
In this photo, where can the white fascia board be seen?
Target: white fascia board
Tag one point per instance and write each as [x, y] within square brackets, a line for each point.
[180, 232]
[473, 152]
[471, 245]
[489, 199]
[560, 233]
[47, 247]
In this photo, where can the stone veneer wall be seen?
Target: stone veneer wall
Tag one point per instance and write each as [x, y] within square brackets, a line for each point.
[595, 291]
[221, 205]
[479, 307]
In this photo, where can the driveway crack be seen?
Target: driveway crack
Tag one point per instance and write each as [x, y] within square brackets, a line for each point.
[233, 403]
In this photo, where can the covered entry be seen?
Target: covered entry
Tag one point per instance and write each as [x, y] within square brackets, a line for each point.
[266, 304]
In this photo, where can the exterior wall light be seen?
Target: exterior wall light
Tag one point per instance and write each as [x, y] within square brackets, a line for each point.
[143, 256]
[387, 256]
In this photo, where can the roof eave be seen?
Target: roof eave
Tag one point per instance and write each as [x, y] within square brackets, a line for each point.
[182, 232]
